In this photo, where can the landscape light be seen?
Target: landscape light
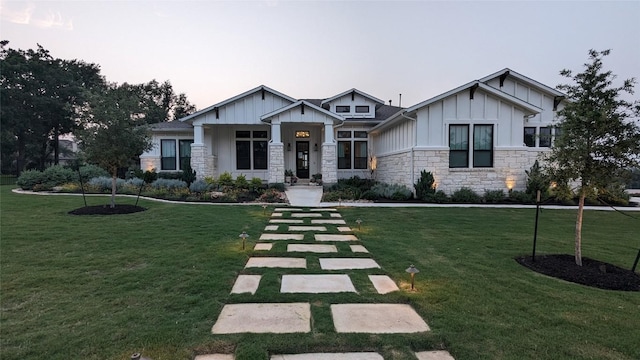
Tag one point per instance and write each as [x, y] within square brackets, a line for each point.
[244, 236]
[412, 271]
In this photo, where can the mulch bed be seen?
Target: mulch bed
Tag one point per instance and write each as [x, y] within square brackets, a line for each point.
[107, 210]
[592, 273]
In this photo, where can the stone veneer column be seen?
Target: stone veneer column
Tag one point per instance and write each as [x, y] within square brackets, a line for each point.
[329, 163]
[276, 163]
[201, 162]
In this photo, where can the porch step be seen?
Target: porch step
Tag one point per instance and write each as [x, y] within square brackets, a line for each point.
[304, 195]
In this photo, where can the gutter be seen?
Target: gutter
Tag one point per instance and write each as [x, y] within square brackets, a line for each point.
[415, 134]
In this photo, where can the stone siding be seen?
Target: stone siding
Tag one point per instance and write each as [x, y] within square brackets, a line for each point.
[203, 163]
[276, 163]
[329, 163]
[508, 171]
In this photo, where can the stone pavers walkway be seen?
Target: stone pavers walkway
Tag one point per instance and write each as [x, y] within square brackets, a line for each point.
[321, 232]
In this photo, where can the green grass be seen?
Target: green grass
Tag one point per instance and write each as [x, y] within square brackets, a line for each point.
[106, 287]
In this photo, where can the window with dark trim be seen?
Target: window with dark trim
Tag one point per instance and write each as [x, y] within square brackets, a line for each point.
[167, 154]
[545, 137]
[483, 146]
[252, 149]
[458, 146]
[359, 154]
[344, 154]
[343, 108]
[184, 152]
[360, 134]
[360, 109]
[530, 136]
[344, 134]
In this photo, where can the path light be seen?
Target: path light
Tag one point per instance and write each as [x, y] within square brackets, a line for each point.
[359, 222]
[138, 356]
[264, 209]
[412, 271]
[244, 236]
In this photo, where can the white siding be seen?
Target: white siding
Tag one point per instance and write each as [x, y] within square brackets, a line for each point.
[530, 94]
[358, 100]
[393, 139]
[246, 111]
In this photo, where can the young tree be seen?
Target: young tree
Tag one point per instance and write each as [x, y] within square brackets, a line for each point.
[114, 134]
[599, 137]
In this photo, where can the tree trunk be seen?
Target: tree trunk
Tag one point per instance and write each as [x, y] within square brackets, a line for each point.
[21, 155]
[578, 249]
[56, 146]
[114, 182]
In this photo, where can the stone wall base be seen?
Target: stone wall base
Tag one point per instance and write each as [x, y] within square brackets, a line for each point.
[276, 163]
[329, 163]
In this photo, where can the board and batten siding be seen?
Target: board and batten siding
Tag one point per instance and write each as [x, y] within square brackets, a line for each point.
[399, 137]
[358, 100]
[530, 94]
[244, 111]
[222, 142]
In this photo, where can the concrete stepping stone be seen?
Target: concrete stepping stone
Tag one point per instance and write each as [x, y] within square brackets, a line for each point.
[307, 228]
[383, 284]
[314, 248]
[377, 319]
[281, 236]
[286, 221]
[358, 249]
[271, 228]
[434, 355]
[276, 262]
[344, 228]
[287, 209]
[336, 215]
[335, 237]
[263, 318]
[305, 215]
[246, 284]
[328, 221]
[215, 357]
[316, 284]
[263, 246]
[347, 263]
[276, 215]
[322, 209]
[330, 356]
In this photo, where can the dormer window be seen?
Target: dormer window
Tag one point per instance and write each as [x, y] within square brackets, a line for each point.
[343, 109]
[362, 109]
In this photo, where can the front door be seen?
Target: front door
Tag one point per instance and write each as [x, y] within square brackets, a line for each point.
[302, 159]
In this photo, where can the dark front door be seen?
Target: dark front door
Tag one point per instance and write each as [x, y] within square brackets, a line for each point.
[302, 159]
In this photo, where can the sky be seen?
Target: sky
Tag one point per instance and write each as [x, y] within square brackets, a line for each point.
[214, 50]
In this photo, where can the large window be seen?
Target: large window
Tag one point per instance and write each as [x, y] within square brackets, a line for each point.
[458, 146]
[344, 154]
[359, 154]
[530, 136]
[482, 145]
[251, 149]
[167, 154]
[184, 151]
[545, 137]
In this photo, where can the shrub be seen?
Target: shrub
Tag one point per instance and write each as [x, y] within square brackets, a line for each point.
[271, 195]
[225, 179]
[103, 184]
[29, 178]
[424, 186]
[562, 193]
[465, 195]
[614, 194]
[150, 176]
[277, 186]
[369, 195]
[169, 184]
[188, 174]
[494, 196]
[170, 175]
[439, 197]
[256, 185]
[91, 171]
[537, 180]
[57, 175]
[199, 186]
[394, 192]
[241, 182]
[520, 197]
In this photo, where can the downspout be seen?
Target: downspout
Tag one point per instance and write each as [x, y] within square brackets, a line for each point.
[415, 141]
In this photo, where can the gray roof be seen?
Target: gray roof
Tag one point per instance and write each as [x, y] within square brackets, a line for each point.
[171, 126]
[383, 112]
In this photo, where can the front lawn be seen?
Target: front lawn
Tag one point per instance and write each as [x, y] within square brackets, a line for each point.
[104, 287]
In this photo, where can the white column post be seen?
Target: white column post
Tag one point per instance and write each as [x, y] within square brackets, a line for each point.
[328, 133]
[198, 134]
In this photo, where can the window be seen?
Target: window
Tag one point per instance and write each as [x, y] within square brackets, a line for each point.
[184, 151]
[343, 108]
[167, 155]
[482, 145]
[359, 154]
[344, 154]
[545, 137]
[530, 136]
[458, 146]
[360, 109]
[251, 149]
[344, 134]
[360, 134]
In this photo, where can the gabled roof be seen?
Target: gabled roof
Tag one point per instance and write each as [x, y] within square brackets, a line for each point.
[265, 117]
[510, 73]
[375, 99]
[237, 97]
[529, 109]
[171, 126]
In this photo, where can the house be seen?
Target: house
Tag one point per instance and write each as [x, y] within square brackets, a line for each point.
[483, 135]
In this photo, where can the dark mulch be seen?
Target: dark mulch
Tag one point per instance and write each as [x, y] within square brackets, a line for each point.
[592, 273]
[107, 210]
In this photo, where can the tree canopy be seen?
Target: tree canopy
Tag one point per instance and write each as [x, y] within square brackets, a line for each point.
[597, 136]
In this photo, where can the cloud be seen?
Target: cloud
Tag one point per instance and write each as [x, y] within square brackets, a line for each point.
[25, 14]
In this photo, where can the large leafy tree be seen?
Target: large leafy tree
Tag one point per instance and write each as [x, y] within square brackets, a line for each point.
[41, 97]
[159, 102]
[598, 137]
[114, 133]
